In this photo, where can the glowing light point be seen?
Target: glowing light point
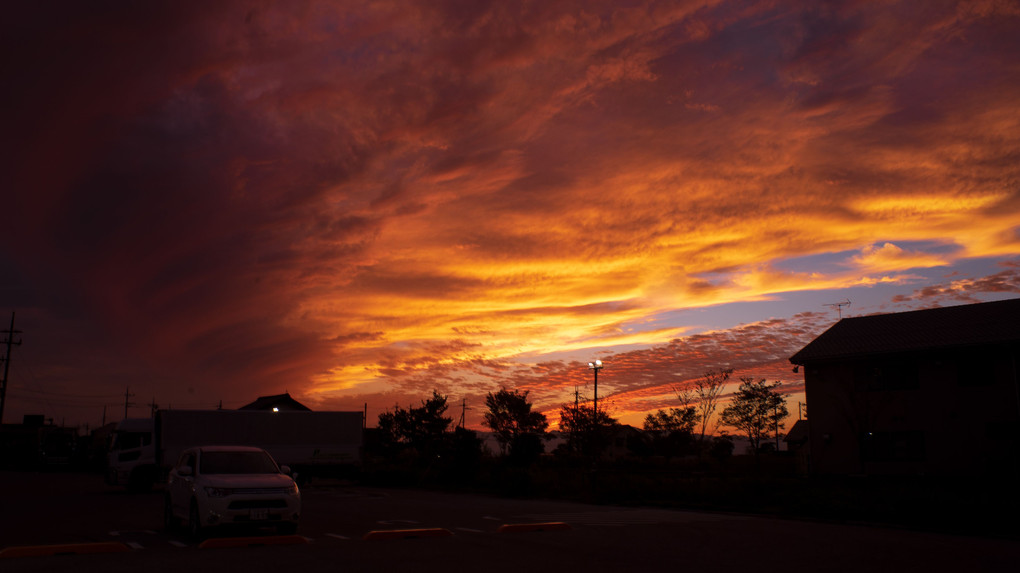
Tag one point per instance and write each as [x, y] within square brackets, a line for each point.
[595, 367]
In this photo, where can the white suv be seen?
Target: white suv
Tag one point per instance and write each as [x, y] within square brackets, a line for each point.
[231, 485]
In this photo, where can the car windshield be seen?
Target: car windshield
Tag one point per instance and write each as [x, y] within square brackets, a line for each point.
[237, 463]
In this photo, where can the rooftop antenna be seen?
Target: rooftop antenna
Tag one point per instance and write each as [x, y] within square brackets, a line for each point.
[839, 307]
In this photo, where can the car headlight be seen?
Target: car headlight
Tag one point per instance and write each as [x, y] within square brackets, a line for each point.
[218, 491]
[293, 490]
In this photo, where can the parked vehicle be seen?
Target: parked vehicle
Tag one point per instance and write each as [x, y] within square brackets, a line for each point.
[214, 486]
[311, 443]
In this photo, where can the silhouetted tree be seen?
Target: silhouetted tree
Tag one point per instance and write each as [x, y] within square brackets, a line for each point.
[674, 420]
[707, 389]
[588, 431]
[420, 428]
[756, 410]
[518, 429]
[721, 448]
[464, 452]
[672, 431]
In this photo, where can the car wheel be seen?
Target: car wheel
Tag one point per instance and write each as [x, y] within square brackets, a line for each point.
[169, 521]
[194, 522]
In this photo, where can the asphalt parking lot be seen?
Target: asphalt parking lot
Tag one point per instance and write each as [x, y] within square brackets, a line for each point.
[368, 529]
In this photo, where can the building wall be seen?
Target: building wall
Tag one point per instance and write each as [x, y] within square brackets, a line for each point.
[939, 413]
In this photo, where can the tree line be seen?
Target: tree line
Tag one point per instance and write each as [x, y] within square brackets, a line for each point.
[756, 411]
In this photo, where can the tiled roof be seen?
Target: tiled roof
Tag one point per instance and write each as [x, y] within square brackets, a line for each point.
[953, 326]
[280, 400]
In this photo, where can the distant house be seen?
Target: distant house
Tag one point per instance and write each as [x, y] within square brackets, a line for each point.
[35, 443]
[279, 402]
[624, 442]
[798, 443]
[924, 392]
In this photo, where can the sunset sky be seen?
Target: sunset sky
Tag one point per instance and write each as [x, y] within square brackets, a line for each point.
[358, 202]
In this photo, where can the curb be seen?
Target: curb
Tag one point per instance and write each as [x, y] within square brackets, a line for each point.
[550, 526]
[65, 549]
[219, 542]
[407, 533]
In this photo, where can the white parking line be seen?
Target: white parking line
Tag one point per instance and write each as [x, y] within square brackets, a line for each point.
[344, 537]
[469, 530]
[491, 518]
[134, 545]
[145, 531]
[177, 543]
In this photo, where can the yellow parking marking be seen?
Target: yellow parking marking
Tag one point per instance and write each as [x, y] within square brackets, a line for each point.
[550, 526]
[65, 549]
[407, 533]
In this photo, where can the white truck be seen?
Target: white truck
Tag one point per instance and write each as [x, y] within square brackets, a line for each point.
[311, 443]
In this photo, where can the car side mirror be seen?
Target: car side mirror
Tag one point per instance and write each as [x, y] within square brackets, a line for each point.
[185, 471]
[285, 470]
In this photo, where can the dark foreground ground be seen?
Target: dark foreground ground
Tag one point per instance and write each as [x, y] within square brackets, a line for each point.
[59, 508]
[769, 486]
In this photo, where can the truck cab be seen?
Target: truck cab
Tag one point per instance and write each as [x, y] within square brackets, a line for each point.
[131, 460]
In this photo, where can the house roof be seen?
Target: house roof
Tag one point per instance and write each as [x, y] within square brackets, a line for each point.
[931, 329]
[798, 432]
[282, 401]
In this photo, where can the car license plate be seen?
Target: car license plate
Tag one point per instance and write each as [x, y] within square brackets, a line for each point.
[258, 514]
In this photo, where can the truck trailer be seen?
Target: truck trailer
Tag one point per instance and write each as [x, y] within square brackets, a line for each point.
[311, 443]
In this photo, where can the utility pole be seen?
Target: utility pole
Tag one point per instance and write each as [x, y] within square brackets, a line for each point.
[9, 341]
[775, 414]
[127, 396]
[153, 406]
[595, 367]
[463, 410]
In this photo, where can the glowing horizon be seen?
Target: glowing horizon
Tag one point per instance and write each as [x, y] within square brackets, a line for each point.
[360, 202]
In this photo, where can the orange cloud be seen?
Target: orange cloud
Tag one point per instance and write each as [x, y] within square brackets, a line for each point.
[361, 199]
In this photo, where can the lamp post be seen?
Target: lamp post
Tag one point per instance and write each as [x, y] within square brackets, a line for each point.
[595, 367]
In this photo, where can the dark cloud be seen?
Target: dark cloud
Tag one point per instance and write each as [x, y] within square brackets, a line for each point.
[244, 198]
[965, 289]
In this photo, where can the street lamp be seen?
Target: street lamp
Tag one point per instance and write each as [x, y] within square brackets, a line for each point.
[595, 367]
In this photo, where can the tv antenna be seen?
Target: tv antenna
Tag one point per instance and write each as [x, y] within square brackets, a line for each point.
[838, 306]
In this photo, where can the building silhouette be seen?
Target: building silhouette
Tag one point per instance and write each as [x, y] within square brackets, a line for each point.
[278, 402]
[931, 392]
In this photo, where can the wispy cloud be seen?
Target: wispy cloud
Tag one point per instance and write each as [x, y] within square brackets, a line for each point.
[357, 198]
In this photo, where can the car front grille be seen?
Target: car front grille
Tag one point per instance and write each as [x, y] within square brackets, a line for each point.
[257, 504]
[260, 490]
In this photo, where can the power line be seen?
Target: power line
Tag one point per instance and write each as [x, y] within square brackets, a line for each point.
[73, 403]
[26, 390]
